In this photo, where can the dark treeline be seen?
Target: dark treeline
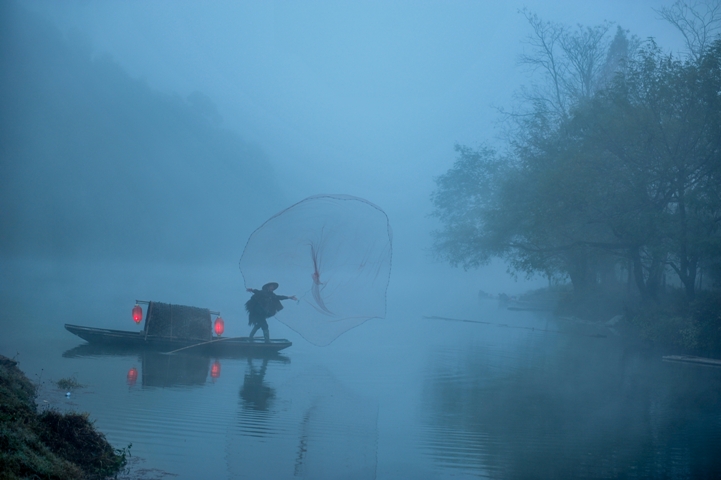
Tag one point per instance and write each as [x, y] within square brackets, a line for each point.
[610, 178]
[96, 164]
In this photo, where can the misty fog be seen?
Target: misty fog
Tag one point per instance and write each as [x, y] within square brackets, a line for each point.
[142, 143]
[361, 100]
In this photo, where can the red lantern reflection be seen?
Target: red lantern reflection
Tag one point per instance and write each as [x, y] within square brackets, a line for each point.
[132, 376]
[215, 370]
[219, 326]
[137, 313]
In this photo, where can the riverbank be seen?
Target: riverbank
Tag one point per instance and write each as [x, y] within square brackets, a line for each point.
[48, 444]
[671, 323]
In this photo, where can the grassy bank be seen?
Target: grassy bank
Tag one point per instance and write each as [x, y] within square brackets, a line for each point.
[671, 322]
[48, 444]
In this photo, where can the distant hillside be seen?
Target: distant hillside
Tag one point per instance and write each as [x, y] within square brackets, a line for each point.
[96, 164]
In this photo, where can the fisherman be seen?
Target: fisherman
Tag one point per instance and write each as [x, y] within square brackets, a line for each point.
[263, 305]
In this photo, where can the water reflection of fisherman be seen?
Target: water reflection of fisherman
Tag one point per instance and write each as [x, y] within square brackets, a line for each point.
[263, 305]
[255, 393]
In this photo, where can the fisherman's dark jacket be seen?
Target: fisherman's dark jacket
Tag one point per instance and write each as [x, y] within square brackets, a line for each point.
[263, 304]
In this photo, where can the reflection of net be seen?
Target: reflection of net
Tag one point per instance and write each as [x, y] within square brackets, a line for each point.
[315, 428]
[334, 253]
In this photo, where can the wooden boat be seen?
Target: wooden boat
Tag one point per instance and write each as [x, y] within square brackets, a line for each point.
[175, 328]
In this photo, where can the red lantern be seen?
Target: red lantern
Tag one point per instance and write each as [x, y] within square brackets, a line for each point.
[215, 370]
[137, 313]
[132, 376]
[219, 326]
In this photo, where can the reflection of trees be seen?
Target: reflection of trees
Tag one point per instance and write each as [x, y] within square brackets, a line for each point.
[255, 394]
[575, 412]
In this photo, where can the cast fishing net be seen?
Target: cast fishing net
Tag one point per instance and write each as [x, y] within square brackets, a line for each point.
[334, 253]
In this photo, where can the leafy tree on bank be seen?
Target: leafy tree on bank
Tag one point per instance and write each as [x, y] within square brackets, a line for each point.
[658, 126]
[495, 205]
[625, 172]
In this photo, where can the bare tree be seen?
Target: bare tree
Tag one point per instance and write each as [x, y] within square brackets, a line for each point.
[545, 41]
[586, 49]
[698, 22]
[571, 61]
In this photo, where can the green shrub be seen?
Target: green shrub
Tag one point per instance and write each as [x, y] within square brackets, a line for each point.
[706, 315]
[69, 383]
[691, 328]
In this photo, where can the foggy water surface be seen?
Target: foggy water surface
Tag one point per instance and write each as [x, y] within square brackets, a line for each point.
[521, 396]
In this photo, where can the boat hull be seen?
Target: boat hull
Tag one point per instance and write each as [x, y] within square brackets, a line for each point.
[222, 345]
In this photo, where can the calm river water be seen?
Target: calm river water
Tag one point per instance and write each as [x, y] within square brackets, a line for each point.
[503, 394]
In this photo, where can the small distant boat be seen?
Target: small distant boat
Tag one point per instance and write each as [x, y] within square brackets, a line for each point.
[173, 328]
[691, 359]
[528, 306]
